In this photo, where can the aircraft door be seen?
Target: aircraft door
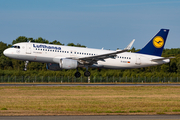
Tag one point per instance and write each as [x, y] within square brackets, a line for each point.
[138, 60]
[28, 48]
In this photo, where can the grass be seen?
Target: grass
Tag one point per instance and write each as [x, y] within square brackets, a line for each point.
[89, 100]
[176, 110]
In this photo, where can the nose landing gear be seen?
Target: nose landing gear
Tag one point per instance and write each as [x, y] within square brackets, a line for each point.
[26, 63]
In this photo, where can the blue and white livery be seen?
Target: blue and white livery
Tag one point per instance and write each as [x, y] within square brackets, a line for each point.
[59, 57]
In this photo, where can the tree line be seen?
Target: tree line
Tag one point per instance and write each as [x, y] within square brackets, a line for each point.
[12, 67]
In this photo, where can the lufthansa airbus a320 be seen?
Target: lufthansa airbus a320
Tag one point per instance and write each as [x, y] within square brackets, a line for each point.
[59, 57]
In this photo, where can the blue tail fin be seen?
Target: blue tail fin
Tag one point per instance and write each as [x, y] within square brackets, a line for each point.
[156, 44]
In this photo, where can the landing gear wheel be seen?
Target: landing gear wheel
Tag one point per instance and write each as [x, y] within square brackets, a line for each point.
[77, 74]
[87, 73]
[26, 63]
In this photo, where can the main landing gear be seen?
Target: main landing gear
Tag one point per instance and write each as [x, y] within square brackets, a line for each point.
[78, 74]
[87, 73]
[26, 63]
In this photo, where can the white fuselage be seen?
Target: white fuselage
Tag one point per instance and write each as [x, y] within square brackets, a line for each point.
[49, 53]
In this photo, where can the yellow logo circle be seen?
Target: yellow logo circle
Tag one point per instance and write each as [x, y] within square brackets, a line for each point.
[158, 42]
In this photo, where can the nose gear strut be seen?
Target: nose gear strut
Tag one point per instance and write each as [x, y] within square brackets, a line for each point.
[26, 63]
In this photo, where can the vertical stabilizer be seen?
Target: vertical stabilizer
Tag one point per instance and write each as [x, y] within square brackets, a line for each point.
[156, 44]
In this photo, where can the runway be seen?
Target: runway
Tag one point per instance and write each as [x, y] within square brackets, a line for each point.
[27, 84]
[120, 117]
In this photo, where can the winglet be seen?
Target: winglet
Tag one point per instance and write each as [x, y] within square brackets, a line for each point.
[130, 45]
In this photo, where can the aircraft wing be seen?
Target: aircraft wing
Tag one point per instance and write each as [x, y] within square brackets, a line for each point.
[101, 57]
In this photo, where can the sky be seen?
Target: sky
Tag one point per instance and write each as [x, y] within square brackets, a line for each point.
[108, 24]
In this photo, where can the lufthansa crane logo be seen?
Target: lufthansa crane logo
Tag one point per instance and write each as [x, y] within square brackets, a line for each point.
[158, 42]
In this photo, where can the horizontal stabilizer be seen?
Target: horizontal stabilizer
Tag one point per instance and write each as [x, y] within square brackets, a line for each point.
[161, 58]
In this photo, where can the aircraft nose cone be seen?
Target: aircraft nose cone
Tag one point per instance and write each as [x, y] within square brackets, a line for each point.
[6, 52]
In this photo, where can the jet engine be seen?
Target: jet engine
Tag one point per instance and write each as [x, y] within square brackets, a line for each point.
[63, 64]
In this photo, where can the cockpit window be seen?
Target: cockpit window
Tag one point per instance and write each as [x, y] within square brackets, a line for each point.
[18, 47]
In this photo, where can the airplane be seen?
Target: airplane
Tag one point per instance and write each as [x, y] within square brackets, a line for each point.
[58, 57]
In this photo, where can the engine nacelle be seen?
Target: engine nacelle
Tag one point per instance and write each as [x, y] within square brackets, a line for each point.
[68, 63]
[63, 64]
